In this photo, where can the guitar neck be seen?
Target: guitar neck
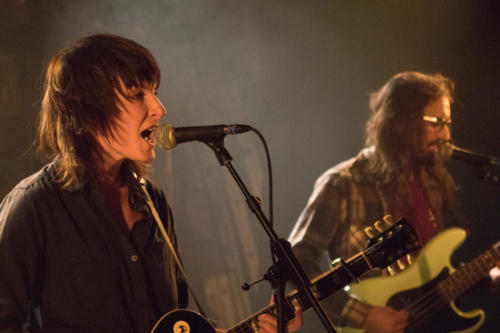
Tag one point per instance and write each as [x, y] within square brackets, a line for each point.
[322, 286]
[468, 275]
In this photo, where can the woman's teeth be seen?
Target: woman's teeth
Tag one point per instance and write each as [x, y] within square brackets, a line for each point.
[148, 136]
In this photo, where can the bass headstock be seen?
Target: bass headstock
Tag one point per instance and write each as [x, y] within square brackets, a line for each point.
[389, 242]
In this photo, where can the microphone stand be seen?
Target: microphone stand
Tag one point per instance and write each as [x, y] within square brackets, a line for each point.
[287, 266]
[486, 176]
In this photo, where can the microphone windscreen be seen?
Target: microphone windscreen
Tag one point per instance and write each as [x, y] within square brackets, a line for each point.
[164, 136]
[445, 150]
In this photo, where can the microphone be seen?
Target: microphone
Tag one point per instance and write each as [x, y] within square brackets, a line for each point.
[168, 136]
[447, 150]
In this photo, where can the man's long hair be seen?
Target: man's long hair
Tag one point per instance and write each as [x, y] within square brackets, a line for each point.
[80, 102]
[395, 129]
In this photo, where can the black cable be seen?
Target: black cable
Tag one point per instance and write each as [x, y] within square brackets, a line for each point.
[270, 173]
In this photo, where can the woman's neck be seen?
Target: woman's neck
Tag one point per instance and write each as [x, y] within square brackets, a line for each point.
[112, 174]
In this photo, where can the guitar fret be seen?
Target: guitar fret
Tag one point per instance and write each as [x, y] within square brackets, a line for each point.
[442, 291]
[254, 326]
[492, 257]
[447, 288]
[241, 329]
[246, 327]
[483, 263]
[486, 260]
[485, 257]
[471, 275]
[465, 277]
[478, 265]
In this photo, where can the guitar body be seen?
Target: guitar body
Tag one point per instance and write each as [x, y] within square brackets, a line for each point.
[183, 321]
[431, 266]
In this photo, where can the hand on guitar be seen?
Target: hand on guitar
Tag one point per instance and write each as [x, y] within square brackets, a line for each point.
[383, 319]
[269, 324]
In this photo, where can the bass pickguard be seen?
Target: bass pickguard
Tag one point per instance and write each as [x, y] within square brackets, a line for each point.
[432, 267]
[430, 313]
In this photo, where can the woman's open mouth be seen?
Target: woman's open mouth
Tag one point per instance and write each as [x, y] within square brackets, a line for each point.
[147, 135]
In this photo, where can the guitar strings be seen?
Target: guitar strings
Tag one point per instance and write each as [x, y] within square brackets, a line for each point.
[425, 306]
[246, 325]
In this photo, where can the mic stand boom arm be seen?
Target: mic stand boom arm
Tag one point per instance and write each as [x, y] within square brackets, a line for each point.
[287, 265]
[487, 176]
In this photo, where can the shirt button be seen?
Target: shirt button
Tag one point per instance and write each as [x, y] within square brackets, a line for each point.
[133, 258]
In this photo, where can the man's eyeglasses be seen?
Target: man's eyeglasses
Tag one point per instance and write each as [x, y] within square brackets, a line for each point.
[437, 123]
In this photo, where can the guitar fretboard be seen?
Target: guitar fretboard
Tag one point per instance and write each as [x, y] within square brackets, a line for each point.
[322, 286]
[393, 243]
[468, 275]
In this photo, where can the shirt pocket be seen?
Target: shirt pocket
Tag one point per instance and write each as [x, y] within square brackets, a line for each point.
[89, 277]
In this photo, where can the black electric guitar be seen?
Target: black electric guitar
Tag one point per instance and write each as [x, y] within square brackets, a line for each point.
[382, 250]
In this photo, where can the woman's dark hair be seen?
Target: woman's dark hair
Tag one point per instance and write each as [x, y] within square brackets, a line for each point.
[81, 102]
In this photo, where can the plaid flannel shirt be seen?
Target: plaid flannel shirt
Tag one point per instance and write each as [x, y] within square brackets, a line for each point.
[345, 200]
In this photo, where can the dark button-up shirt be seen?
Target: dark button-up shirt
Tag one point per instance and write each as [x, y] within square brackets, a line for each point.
[67, 265]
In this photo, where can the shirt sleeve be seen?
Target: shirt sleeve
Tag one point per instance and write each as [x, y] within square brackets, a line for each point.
[319, 236]
[20, 262]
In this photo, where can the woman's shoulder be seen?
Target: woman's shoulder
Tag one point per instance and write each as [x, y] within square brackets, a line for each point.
[35, 186]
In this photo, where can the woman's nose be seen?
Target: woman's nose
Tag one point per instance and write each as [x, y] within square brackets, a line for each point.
[156, 109]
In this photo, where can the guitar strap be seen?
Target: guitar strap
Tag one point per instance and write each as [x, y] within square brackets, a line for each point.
[169, 243]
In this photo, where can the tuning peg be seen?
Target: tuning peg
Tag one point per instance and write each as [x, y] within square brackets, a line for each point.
[391, 270]
[379, 226]
[369, 232]
[401, 264]
[389, 221]
[409, 259]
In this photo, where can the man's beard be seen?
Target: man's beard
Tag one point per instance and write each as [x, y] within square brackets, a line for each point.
[428, 159]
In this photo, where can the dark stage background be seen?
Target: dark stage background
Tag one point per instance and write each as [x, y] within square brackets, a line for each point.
[300, 72]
